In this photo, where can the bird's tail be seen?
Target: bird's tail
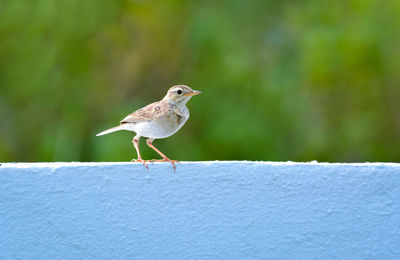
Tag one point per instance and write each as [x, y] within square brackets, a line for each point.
[113, 129]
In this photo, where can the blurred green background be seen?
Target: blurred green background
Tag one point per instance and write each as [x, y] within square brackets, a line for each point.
[282, 80]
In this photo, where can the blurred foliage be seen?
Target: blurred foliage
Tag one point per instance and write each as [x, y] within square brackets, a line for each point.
[282, 80]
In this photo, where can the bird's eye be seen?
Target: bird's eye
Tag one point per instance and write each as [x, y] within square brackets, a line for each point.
[179, 91]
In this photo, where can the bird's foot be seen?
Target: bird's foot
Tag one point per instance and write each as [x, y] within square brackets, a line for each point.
[166, 160]
[144, 162]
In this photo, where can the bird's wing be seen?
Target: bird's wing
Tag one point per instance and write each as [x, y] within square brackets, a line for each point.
[148, 113]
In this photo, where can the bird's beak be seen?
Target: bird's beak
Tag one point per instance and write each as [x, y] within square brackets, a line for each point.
[193, 93]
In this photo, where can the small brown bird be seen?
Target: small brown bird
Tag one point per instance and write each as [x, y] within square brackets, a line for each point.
[158, 120]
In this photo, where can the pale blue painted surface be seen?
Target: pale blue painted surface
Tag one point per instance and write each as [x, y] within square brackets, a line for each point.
[212, 210]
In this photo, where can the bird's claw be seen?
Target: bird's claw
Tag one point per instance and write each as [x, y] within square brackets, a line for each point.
[166, 160]
[142, 161]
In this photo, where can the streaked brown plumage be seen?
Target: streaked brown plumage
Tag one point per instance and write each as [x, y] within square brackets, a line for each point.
[147, 113]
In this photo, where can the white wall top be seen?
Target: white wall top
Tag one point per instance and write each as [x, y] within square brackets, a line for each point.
[204, 210]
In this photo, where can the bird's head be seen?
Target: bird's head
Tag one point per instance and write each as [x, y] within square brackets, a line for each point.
[180, 94]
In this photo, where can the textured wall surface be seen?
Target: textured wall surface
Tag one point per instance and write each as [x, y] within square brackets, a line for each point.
[205, 210]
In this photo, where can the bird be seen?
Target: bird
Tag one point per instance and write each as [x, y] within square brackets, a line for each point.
[158, 120]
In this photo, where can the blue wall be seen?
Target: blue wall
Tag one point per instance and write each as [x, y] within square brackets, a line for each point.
[211, 210]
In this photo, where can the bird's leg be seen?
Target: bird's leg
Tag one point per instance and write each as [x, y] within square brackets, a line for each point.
[135, 142]
[165, 158]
